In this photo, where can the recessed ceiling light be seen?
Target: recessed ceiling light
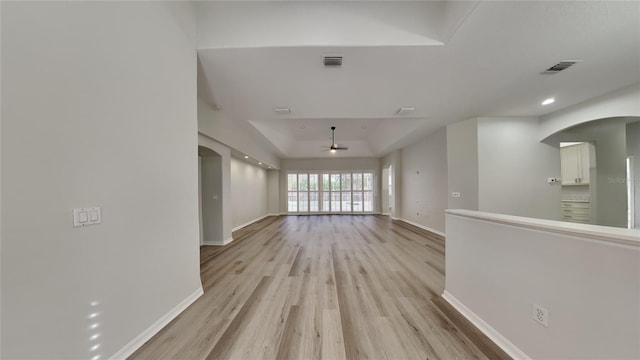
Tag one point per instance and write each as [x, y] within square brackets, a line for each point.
[268, 167]
[282, 111]
[405, 110]
[259, 163]
[246, 157]
[548, 101]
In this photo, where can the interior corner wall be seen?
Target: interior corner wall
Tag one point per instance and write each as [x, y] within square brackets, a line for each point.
[513, 166]
[88, 120]
[424, 181]
[249, 200]
[462, 164]
[273, 192]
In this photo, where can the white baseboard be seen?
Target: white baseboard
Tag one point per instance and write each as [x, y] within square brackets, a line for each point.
[422, 227]
[147, 334]
[217, 243]
[502, 342]
[251, 222]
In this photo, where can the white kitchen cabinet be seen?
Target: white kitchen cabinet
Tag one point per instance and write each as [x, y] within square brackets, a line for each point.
[576, 163]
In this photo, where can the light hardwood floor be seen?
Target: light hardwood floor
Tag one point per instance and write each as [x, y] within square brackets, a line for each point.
[322, 287]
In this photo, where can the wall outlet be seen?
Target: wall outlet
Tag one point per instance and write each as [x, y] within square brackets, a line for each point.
[456, 194]
[553, 180]
[540, 315]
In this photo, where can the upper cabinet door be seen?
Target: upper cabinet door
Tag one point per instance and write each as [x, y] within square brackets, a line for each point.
[585, 163]
[576, 163]
[569, 165]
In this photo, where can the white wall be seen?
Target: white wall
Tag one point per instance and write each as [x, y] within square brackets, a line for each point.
[201, 227]
[217, 126]
[212, 198]
[213, 195]
[384, 192]
[622, 102]
[394, 160]
[424, 181]
[249, 201]
[330, 164]
[273, 191]
[633, 149]
[513, 168]
[608, 184]
[233, 24]
[462, 164]
[590, 286]
[88, 119]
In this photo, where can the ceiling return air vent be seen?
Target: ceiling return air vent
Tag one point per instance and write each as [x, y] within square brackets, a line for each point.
[562, 65]
[333, 60]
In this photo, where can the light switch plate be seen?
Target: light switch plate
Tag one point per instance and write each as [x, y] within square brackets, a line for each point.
[87, 216]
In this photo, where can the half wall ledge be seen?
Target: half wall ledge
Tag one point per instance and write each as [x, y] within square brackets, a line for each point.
[596, 232]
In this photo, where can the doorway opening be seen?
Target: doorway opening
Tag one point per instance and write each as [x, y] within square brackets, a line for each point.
[210, 196]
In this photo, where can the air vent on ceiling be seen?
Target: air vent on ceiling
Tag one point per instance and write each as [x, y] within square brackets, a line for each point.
[562, 65]
[405, 110]
[333, 60]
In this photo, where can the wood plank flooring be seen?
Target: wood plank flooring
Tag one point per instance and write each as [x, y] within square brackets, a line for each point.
[322, 287]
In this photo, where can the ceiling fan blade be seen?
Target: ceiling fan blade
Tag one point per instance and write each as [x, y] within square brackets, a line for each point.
[341, 147]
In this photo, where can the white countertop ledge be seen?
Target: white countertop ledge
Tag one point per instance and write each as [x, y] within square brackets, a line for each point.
[597, 232]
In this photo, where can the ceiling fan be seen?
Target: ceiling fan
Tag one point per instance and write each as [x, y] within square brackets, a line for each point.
[335, 147]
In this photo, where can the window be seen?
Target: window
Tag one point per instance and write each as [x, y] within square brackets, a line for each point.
[303, 192]
[368, 191]
[330, 192]
[357, 192]
[314, 200]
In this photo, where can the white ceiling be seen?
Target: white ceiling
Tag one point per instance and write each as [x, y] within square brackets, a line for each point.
[449, 60]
